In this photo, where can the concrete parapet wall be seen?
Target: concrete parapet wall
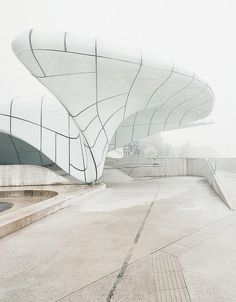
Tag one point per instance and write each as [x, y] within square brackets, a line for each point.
[29, 175]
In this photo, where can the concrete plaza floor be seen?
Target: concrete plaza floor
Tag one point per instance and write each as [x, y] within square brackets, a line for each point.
[161, 239]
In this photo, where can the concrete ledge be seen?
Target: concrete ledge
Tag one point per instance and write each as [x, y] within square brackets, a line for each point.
[16, 220]
[223, 192]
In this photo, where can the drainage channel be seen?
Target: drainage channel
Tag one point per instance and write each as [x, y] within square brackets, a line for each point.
[5, 206]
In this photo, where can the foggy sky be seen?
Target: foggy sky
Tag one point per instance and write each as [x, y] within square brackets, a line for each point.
[197, 35]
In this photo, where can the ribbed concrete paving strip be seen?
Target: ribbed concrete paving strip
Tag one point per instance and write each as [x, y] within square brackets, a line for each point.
[175, 249]
[156, 277]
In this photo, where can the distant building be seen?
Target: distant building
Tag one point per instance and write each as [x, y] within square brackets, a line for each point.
[131, 149]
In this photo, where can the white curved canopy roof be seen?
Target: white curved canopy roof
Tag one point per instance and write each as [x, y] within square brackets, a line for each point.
[107, 96]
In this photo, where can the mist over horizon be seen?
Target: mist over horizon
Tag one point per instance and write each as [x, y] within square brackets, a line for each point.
[197, 36]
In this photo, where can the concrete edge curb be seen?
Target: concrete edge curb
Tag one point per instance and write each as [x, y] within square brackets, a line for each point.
[218, 186]
[225, 196]
[18, 219]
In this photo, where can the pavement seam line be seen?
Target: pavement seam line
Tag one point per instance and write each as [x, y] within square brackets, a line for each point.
[125, 261]
[130, 253]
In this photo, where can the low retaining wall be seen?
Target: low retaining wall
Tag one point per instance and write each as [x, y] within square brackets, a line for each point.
[30, 175]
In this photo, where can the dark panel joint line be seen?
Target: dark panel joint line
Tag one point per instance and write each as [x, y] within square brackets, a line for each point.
[11, 115]
[32, 50]
[130, 253]
[65, 41]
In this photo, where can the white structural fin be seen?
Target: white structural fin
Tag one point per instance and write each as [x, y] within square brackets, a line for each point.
[110, 97]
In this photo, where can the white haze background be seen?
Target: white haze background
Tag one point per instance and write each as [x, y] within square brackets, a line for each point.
[197, 35]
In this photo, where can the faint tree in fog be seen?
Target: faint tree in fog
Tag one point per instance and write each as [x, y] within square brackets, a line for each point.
[155, 146]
